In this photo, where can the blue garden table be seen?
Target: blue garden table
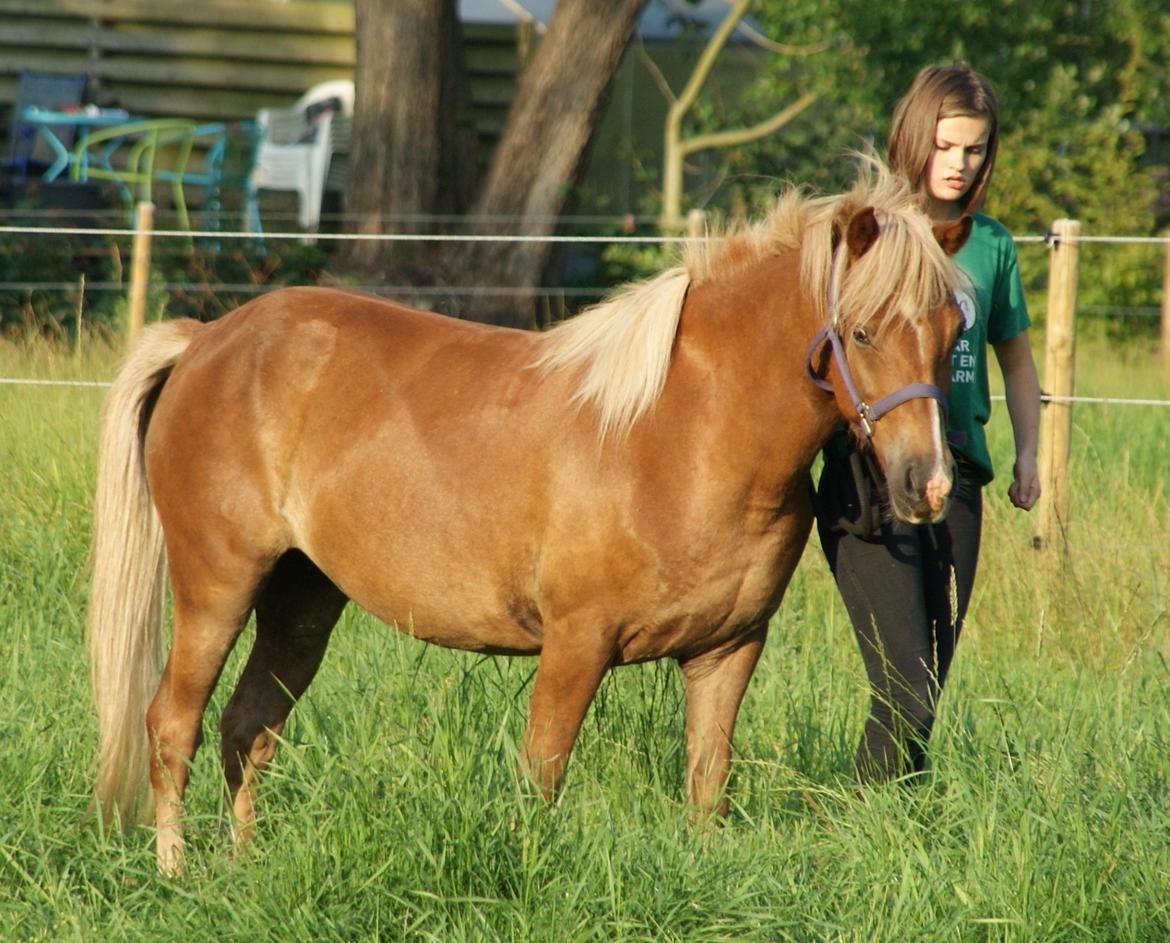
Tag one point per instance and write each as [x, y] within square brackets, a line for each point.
[47, 123]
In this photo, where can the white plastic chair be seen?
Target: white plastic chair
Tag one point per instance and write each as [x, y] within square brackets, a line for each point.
[294, 150]
[340, 89]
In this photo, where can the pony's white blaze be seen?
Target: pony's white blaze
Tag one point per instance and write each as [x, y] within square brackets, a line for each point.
[939, 484]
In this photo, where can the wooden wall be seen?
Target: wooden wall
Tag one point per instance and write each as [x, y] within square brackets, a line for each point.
[216, 59]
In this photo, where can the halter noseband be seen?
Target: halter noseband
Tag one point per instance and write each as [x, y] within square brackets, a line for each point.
[867, 413]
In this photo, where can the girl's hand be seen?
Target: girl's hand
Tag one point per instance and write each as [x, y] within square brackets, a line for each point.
[1024, 490]
[1022, 389]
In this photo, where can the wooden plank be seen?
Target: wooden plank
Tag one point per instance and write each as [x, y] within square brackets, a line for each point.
[263, 46]
[270, 77]
[500, 74]
[200, 104]
[491, 58]
[46, 33]
[489, 128]
[487, 33]
[44, 60]
[267, 83]
[492, 89]
[216, 44]
[336, 18]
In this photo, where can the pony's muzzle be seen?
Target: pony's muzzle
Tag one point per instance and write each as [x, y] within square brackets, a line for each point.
[938, 492]
[920, 491]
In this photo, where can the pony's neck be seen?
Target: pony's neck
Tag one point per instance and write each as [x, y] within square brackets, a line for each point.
[744, 339]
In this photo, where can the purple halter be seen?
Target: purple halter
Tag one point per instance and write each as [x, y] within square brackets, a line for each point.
[867, 413]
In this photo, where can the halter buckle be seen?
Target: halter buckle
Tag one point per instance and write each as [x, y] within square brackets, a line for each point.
[866, 419]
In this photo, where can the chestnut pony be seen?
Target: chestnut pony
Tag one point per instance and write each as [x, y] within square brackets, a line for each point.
[632, 484]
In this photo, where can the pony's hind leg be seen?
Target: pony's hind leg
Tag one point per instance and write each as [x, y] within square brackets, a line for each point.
[295, 614]
[203, 636]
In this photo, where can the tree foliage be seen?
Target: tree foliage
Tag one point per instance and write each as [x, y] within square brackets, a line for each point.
[1084, 88]
[1084, 91]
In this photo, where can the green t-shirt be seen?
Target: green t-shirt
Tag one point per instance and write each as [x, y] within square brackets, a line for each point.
[996, 313]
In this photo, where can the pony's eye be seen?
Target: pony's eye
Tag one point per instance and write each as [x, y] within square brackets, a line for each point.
[861, 338]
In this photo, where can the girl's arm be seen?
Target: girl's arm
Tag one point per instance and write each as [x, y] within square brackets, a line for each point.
[1022, 391]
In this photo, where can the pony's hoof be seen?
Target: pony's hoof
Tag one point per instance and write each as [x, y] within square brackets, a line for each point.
[170, 856]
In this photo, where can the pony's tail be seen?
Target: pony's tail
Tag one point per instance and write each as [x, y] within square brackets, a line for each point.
[128, 569]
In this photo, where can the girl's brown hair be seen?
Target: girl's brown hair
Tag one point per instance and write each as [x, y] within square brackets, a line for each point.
[943, 92]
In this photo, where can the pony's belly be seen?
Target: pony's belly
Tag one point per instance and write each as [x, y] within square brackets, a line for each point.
[722, 603]
[683, 635]
[453, 602]
[482, 571]
[422, 561]
[480, 612]
[498, 635]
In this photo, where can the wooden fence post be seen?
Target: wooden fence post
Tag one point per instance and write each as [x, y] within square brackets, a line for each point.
[1059, 369]
[1165, 348]
[696, 224]
[80, 318]
[139, 270]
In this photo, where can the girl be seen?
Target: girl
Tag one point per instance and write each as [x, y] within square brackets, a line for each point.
[906, 587]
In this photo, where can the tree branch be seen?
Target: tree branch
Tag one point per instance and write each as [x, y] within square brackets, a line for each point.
[743, 135]
[675, 148]
[759, 39]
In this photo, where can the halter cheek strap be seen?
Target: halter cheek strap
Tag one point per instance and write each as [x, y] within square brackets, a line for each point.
[867, 413]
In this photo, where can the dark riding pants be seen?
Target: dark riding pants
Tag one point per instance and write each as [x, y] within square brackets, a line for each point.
[906, 588]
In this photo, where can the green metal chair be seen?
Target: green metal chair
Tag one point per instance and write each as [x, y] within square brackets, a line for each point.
[138, 154]
[211, 145]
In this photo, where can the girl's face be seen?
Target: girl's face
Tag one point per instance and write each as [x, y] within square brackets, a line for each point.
[960, 147]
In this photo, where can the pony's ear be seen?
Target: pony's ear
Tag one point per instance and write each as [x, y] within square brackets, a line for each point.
[862, 233]
[952, 236]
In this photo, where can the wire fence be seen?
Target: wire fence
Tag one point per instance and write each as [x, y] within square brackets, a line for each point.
[1044, 398]
[1062, 244]
[626, 227]
[217, 234]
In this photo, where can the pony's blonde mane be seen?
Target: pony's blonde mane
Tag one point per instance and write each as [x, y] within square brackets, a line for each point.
[906, 272]
[623, 345]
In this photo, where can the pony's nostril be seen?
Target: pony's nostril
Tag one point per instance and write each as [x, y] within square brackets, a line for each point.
[924, 482]
[937, 491]
[914, 478]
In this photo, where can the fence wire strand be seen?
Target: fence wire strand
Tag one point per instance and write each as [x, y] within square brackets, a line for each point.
[214, 234]
[1046, 398]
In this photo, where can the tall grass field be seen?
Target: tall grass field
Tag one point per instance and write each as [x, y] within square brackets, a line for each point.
[393, 811]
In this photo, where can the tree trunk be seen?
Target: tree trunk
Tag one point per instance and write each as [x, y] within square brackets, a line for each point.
[413, 148]
[542, 153]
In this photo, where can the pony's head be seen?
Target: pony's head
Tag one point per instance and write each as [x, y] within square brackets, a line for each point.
[872, 270]
[887, 283]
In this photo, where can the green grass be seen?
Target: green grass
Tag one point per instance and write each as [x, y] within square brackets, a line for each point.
[393, 812]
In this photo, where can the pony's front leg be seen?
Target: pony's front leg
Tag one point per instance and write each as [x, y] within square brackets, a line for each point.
[567, 676]
[715, 685]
